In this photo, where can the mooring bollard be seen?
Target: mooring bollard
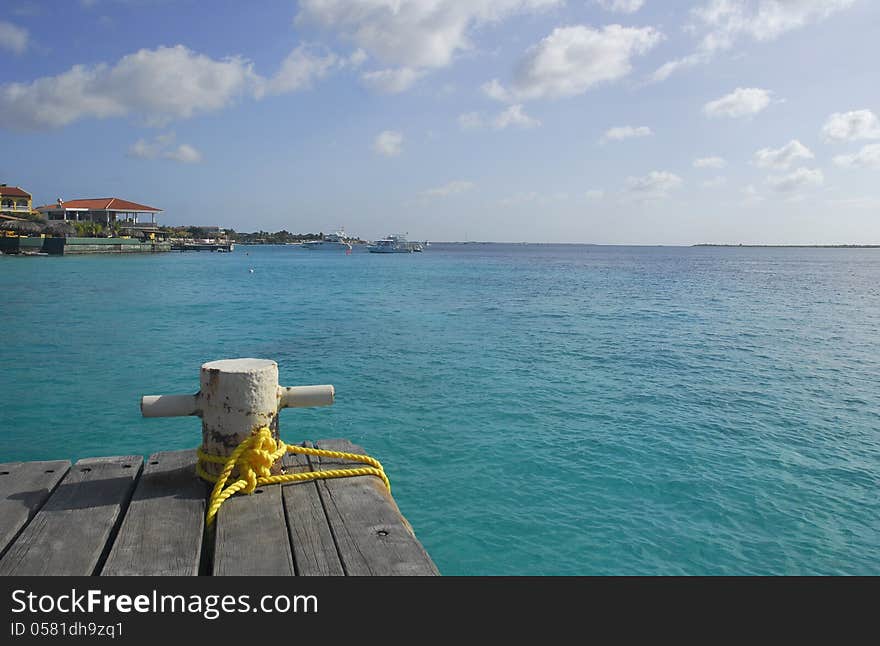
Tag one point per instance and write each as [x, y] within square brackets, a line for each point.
[236, 397]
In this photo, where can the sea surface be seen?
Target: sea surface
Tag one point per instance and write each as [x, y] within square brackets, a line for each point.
[540, 409]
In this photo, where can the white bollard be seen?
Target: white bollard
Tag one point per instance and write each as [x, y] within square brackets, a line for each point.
[236, 397]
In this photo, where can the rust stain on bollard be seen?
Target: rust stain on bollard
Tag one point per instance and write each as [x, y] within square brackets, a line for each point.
[241, 395]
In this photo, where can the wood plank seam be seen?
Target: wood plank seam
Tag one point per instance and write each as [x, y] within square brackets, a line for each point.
[308, 528]
[313, 461]
[249, 538]
[163, 528]
[206, 556]
[373, 536]
[71, 531]
[35, 512]
[296, 566]
[114, 531]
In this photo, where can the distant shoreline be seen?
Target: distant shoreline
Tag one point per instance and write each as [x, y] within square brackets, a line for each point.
[593, 244]
[702, 244]
[794, 246]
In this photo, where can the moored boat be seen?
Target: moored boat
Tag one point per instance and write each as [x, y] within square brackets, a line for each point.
[394, 243]
[331, 242]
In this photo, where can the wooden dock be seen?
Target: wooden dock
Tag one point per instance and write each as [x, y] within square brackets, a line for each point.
[123, 516]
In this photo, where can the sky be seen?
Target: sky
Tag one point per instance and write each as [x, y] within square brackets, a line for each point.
[581, 121]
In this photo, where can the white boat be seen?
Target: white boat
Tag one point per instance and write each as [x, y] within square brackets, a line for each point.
[394, 243]
[331, 242]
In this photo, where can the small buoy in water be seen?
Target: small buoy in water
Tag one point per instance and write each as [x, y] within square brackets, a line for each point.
[251, 270]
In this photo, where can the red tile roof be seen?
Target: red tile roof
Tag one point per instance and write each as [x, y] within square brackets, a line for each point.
[107, 204]
[13, 191]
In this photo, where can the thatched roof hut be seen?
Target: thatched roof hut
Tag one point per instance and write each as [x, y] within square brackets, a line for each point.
[60, 228]
[133, 232]
[21, 227]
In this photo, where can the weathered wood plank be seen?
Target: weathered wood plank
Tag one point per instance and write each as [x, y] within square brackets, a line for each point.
[24, 487]
[371, 534]
[68, 536]
[314, 550]
[163, 527]
[251, 536]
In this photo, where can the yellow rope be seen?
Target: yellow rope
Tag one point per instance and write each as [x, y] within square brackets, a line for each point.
[255, 457]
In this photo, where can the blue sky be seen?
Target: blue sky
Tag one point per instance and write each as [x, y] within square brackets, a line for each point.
[603, 121]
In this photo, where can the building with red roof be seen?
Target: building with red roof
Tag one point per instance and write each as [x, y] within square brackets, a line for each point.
[103, 210]
[14, 202]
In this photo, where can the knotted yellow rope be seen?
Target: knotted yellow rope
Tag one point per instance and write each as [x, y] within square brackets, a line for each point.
[255, 457]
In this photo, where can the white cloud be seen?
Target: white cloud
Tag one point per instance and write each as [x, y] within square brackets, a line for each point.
[654, 185]
[851, 126]
[727, 21]
[391, 81]
[571, 60]
[494, 90]
[388, 143]
[166, 82]
[742, 102]
[801, 178]
[452, 188]
[867, 157]
[358, 57]
[514, 116]
[157, 85]
[715, 182]
[162, 146]
[143, 149]
[417, 34]
[619, 133]
[184, 153]
[669, 68]
[784, 157]
[13, 38]
[299, 70]
[621, 6]
[721, 24]
[709, 162]
[594, 194]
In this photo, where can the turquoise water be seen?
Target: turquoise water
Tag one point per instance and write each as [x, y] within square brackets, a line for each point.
[540, 409]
